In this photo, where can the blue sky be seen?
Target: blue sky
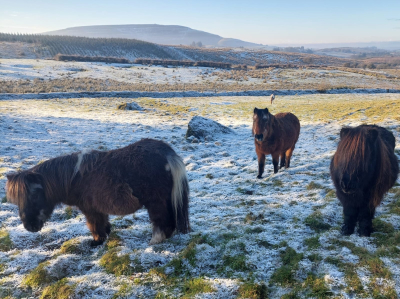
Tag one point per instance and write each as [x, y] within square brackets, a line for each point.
[266, 22]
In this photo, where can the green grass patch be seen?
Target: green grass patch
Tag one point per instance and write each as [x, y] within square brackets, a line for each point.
[196, 286]
[209, 176]
[70, 213]
[5, 241]
[353, 282]
[381, 226]
[72, 247]
[294, 294]
[124, 290]
[59, 290]
[235, 262]
[250, 290]
[4, 199]
[117, 265]
[38, 276]
[380, 291]
[316, 222]
[394, 206]
[312, 186]
[314, 257]
[284, 275]
[385, 238]
[317, 286]
[113, 240]
[330, 194]
[312, 243]
[277, 183]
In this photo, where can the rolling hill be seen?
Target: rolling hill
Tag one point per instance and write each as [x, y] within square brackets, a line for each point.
[159, 34]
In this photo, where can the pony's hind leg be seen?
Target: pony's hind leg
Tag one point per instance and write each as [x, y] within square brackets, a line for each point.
[99, 226]
[283, 160]
[162, 217]
[289, 154]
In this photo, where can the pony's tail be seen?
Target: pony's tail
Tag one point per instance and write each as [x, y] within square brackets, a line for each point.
[180, 193]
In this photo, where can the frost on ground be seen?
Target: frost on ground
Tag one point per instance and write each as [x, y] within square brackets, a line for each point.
[43, 76]
[277, 237]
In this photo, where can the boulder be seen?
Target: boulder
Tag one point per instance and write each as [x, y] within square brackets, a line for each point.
[129, 106]
[201, 128]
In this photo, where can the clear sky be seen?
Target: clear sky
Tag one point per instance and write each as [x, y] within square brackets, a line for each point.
[266, 22]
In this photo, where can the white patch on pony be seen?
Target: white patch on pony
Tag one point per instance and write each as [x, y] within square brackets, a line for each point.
[35, 186]
[167, 167]
[42, 216]
[79, 162]
[158, 236]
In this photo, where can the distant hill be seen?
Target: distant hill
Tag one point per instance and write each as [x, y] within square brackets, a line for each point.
[159, 34]
[391, 45]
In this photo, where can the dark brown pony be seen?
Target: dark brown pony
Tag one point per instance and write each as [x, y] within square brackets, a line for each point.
[274, 135]
[147, 173]
[363, 169]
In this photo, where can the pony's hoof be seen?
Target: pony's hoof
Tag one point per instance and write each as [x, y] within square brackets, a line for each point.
[259, 177]
[365, 232]
[108, 228]
[346, 231]
[94, 243]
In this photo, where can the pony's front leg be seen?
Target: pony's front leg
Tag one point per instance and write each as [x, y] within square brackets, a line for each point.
[275, 161]
[365, 220]
[99, 226]
[350, 214]
[261, 164]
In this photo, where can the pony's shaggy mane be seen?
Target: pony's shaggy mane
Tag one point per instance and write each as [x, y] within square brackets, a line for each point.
[352, 155]
[352, 148]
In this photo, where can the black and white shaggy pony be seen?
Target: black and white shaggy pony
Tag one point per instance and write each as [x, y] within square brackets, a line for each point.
[363, 169]
[118, 182]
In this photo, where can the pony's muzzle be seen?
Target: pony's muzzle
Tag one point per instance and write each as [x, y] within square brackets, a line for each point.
[34, 227]
[259, 137]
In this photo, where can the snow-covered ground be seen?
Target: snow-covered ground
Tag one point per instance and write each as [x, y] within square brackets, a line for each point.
[30, 69]
[105, 76]
[241, 216]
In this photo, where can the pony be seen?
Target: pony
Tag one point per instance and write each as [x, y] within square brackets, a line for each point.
[363, 169]
[119, 182]
[272, 98]
[275, 135]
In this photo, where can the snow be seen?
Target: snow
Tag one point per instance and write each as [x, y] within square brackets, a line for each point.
[35, 130]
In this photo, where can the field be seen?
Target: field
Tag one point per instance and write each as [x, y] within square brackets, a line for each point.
[45, 76]
[278, 237]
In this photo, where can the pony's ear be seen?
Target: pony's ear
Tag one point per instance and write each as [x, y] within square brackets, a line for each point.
[255, 110]
[344, 131]
[10, 176]
[266, 110]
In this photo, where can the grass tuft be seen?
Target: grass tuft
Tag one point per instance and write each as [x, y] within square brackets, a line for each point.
[196, 286]
[72, 247]
[113, 240]
[252, 291]
[124, 290]
[318, 287]
[59, 290]
[5, 241]
[117, 265]
[284, 275]
[312, 243]
[38, 276]
[312, 186]
[315, 221]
